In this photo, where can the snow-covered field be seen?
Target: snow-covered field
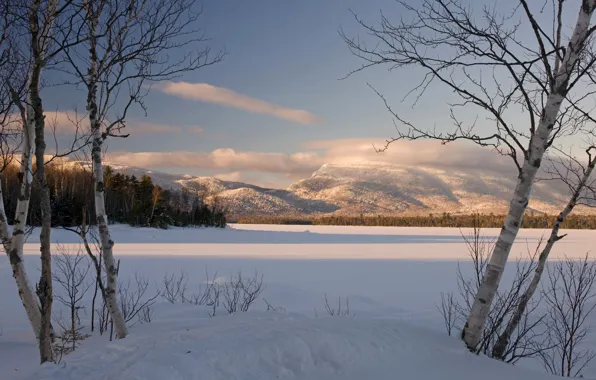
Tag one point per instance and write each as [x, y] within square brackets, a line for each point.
[392, 276]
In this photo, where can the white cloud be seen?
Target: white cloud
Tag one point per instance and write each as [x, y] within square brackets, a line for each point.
[223, 159]
[68, 122]
[219, 95]
[141, 127]
[232, 176]
[234, 165]
[456, 155]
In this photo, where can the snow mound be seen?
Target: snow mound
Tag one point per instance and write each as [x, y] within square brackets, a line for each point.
[184, 343]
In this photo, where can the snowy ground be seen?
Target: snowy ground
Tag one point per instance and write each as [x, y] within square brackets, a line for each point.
[392, 276]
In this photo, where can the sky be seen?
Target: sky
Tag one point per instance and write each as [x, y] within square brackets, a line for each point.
[276, 108]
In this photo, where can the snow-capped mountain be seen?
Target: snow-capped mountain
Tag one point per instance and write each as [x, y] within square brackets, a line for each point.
[383, 188]
[371, 188]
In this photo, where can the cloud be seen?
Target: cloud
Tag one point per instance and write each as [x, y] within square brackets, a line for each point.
[223, 159]
[67, 122]
[219, 95]
[302, 164]
[136, 127]
[233, 176]
[282, 168]
[428, 153]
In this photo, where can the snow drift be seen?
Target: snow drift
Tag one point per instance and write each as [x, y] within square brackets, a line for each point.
[185, 343]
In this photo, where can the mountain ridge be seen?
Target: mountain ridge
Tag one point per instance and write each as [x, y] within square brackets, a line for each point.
[368, 188]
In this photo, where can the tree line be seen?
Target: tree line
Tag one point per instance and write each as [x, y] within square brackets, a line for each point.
[130, 200]
[576, 221]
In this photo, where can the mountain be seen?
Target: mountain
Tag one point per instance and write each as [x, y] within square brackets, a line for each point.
[393, 189]
[371, 188]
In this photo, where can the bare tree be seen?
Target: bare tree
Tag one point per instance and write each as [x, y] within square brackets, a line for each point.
[582, 190]
[38, 24]
[449, 311]
[127, 45]
[94, 252]
[11, 94]
[71, 277]
[528, 339]
[570, 295]
[488, 63]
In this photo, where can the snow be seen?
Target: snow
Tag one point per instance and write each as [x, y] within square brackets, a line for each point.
[392, 276]
[367, 187]
[269, 345]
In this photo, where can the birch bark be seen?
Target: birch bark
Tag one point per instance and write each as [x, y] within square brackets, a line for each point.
[504, 338]
[107, 243]
[472, 332]
[13, 243]
[40, 31]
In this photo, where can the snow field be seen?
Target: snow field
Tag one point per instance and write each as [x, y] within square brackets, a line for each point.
[392, 276]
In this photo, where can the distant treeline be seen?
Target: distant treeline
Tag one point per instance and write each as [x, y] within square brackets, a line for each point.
[439, 220]
[130, 200]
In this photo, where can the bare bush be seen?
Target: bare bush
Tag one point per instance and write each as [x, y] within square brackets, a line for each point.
[103, 317]
[235, 294]
[570, 295]
[146, 315]
[175, 287]
[274, 308]
[209, 294]
[70, 276]
[529, 338]
[91, 243]
[134, 300]
[213, 296]
[240, 292]
[339, 310]
[449, 311]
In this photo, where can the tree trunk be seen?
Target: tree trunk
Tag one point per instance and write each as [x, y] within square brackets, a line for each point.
[44, 288]
[107, 244]
[501, 345]
[13, 245]
[473, 329]
[35, 115]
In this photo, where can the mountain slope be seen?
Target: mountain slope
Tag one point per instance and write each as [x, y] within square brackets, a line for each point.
[370, 188]
[382, 188]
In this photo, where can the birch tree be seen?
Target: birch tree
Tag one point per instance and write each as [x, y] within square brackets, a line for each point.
[41, 17]
[128, 44]
[10, 97]
[36, 22]
[507, 64]
[582, 191]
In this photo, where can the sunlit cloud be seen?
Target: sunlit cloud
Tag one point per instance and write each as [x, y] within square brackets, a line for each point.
[233, 164]
[211, 94]
[68, 122]
[223, 159]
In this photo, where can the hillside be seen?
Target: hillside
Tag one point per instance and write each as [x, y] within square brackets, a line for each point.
[369, 189]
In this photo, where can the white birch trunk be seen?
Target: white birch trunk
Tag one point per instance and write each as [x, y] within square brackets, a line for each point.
[473, 329]
[107, 244]
[40, 30]
[504, 338]
[13, 245]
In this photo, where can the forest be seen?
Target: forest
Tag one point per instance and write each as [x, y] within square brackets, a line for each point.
[574, 221]
[131, 200]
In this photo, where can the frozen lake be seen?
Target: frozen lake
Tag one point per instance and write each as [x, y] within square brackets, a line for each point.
[389, 271]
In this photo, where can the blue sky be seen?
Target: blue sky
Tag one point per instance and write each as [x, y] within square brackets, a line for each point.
[285, 53]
